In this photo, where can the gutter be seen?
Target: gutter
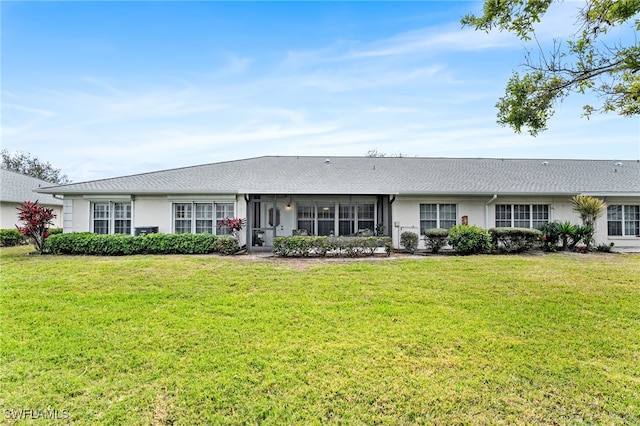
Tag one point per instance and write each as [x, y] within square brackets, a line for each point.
[486, 211]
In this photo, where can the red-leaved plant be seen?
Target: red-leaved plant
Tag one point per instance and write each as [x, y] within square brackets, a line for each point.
[234, 224]
[35, 222]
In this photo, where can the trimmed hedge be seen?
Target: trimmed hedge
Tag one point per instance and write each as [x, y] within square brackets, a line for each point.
[435, 239]
[514, 240]
[86, 243]
[297, 246]
[11, 237]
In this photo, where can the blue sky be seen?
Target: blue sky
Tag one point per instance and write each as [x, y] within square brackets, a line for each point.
[104, 89]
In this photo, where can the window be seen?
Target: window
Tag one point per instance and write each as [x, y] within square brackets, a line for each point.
[521, 215]
[101, 218]
[437, 216]
[326, 219]
[345, 219]
[223, 211]
[366, 216]
[623, 220]
[306, 218]
[539, 215]
[182, 217]
[198, 218]
[111, 217]
[122, 218]
[204, 218]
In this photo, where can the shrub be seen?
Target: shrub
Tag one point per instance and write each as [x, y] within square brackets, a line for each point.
[467, 239]
[435, 239]
[54, 231]
[226, 245]
[10, 237]
[298, 245]
[86, 243]
[514, 240]
[409, 241]
[582, 235]
[550, 236]
[605, 248]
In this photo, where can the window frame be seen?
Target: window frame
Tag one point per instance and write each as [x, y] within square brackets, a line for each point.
[442, 214]
[533, 215]
[113, 220]
[339, 217]
[201, 217]
[627, 225]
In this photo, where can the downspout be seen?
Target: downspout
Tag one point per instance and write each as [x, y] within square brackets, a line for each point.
[390, 219]
[486, 211]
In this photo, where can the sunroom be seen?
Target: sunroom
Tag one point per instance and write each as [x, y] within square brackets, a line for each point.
[271, 216]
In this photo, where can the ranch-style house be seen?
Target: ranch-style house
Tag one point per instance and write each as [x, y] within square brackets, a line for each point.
[292, 195]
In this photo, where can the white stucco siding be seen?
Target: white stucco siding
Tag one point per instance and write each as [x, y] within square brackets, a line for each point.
[152, 211]
[81, 221]
[9, 215]
[406, 212]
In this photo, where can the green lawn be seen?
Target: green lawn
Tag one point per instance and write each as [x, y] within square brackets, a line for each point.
[548, 339]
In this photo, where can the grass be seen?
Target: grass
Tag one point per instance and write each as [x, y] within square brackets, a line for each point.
[551, 339]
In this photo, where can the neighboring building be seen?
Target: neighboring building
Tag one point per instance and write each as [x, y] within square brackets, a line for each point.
[342, 195]
[15, 189]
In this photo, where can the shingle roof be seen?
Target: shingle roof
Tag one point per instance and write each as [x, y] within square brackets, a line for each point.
[364, 175]
[18, 188]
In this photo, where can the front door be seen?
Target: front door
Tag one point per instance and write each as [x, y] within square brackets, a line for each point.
[268, 217]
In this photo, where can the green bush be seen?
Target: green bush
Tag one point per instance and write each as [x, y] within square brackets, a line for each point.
[467, 239]
[86, 243]
[226, 245]
[303, 246]
[605, 248]
[55, 231]
[10, 237]
[435, 239]
[409, 240]
[514, 240]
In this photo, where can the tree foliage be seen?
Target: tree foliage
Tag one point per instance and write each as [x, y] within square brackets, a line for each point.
[374, 153]
[36, 221]
[585, 63]
[22, 163]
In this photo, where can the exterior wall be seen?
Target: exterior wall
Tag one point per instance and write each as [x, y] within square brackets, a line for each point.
[146, 210]
[152, 211]
[406, 215]
[480, 211]
[406, 212]
[625, 243]
[9, 215]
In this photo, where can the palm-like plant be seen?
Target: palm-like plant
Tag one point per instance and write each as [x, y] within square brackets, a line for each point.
[589, 208]
[566, 230]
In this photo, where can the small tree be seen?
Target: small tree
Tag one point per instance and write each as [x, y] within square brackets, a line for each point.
[36, 220]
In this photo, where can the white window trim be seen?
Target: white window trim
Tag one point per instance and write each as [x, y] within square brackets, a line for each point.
[622, 222]
[112, 218]
[193, 219]
[513, 220]
[438, 219]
